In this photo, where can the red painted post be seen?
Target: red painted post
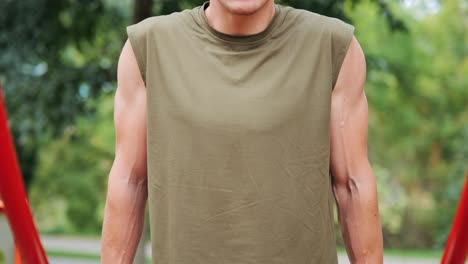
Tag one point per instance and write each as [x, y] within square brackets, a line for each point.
[456, 248]
[14, 197]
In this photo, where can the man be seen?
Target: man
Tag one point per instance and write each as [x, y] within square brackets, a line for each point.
[240, 121]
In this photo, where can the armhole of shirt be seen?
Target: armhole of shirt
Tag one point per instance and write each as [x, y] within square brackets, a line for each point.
[137, 37]
[342, 34]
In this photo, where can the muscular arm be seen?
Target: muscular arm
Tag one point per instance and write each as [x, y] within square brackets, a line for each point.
[127, 191]
[353, 180]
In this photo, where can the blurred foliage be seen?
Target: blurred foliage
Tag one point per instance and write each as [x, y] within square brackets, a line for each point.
[55, 54]
[58, 66]
[76, 179]
[418, 119]
[59, 53]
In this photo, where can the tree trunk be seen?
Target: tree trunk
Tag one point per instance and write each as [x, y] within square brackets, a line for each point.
[142, 9]
[169, 6]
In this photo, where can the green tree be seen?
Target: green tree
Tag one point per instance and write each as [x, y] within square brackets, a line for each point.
[69, 187]
[55, 55]
[58, 65]
[418, 117]
[59, 53]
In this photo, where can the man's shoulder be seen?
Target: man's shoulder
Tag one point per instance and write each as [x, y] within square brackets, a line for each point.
[310, 20]
[166, 22]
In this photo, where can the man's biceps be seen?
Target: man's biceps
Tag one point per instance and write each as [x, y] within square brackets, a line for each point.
[130, 110]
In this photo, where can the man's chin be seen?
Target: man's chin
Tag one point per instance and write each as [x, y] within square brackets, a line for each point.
[244, 7]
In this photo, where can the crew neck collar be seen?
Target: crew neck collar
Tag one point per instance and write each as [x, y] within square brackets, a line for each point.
[255, 38]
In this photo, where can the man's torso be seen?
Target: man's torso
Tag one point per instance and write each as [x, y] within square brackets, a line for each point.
[238, 139]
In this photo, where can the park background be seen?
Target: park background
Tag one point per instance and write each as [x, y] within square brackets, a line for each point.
[58, 63]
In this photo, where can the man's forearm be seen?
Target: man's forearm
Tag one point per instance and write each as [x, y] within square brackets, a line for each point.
[359, 219]
[123, 219]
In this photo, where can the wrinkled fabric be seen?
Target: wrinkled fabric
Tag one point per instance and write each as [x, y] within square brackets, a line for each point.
[238, 137]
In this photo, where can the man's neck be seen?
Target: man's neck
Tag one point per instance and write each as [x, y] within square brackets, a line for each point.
[230, 23]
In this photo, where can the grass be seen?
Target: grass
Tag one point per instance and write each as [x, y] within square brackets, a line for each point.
[400, 253]
[417, 253]
[74, 255]
[408, 253]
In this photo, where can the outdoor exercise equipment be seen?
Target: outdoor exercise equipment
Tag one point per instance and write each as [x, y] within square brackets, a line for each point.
[8, 252]
[456, 248]
[14, 198]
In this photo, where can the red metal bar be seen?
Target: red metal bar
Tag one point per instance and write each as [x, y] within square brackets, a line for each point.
[14, 197]
[456, 248]
[17, 256]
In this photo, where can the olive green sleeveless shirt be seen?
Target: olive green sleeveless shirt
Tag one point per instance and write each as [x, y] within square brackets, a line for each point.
[238, 137]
